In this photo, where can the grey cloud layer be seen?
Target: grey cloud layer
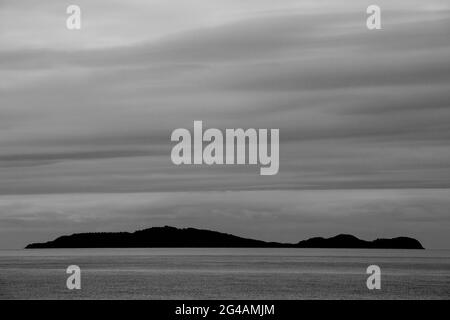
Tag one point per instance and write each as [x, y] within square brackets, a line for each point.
[314, 75]
[271, 215]
[92, 112]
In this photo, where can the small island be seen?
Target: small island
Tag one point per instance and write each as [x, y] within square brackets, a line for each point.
[171, 237]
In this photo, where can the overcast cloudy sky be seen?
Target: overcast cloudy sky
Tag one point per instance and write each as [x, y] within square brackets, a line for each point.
[364, 117]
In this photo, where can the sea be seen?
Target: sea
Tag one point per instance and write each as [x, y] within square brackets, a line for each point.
[205, 273]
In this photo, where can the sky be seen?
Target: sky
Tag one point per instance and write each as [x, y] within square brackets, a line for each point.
[364, 117]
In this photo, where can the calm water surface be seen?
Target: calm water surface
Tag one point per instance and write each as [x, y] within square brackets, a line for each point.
[224, 274]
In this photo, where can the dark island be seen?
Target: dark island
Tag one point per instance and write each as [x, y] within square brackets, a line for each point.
[170, 237]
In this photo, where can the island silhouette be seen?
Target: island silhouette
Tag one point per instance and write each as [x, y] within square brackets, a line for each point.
[171, 237]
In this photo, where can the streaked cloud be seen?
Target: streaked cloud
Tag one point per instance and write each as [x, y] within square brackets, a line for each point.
[92, 111]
